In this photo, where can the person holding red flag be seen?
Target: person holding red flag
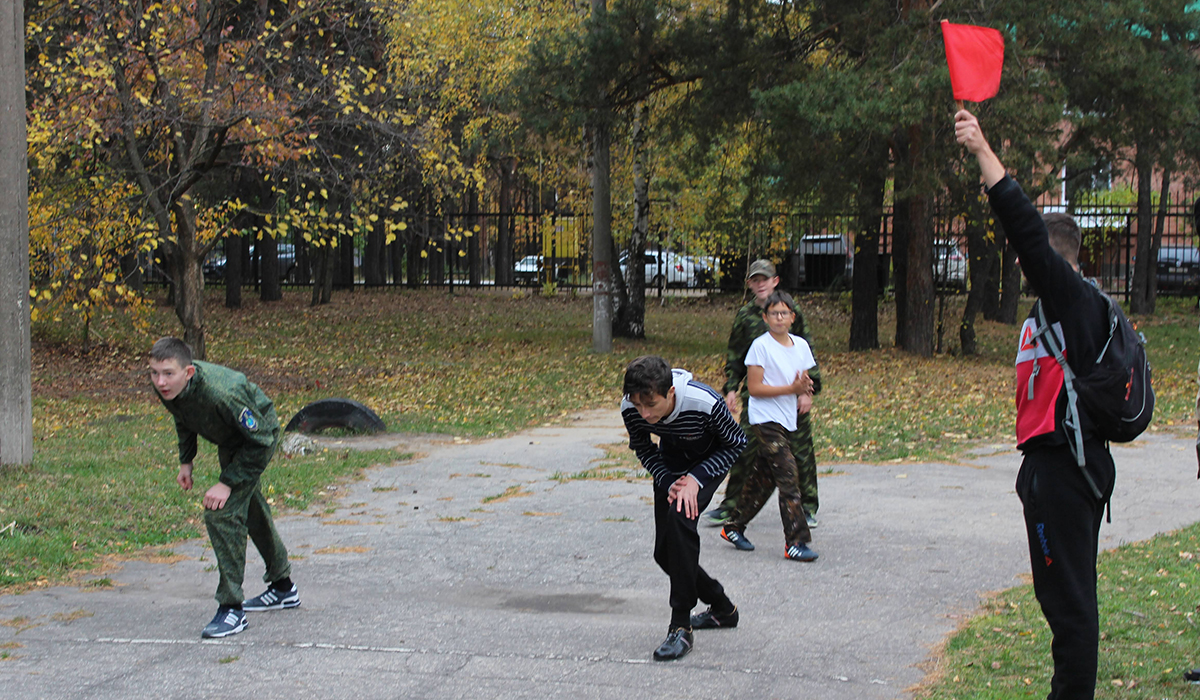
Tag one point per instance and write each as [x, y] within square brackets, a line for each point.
[1063, 502]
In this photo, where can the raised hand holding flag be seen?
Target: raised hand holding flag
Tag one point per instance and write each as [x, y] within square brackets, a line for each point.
[975, 56]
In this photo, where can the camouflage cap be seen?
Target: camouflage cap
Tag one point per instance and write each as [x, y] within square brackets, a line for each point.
[761, 267]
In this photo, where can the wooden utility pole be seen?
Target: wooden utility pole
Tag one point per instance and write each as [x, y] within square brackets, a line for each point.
[16, 405]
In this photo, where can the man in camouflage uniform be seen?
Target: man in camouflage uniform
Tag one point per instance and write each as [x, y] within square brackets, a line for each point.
[748, 324]
[225, 408]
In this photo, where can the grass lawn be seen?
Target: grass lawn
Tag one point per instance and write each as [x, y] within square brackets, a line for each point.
[488, 363]
[1148, 636]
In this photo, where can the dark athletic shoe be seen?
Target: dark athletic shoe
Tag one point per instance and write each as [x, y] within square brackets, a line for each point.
[709, 620]
[227, 621]
[1192, 676]
[737, 539]
[677, 644]
[272, 599]
[800, 552]
[715, 517]
[811, 520]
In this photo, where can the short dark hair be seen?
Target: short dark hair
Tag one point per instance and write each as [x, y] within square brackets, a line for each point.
[648, 374]
[171, 349]
[780, 298]
[1064, 235]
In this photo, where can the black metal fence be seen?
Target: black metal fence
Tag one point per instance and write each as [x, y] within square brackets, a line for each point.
[813, 250]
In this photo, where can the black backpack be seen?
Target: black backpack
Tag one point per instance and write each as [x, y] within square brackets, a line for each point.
[1117, 395]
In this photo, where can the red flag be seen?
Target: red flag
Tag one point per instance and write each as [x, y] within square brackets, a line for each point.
[975, 56]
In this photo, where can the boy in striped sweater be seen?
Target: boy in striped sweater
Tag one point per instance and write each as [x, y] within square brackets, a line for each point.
[698, 441]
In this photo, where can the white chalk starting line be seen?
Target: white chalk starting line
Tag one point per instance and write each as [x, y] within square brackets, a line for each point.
[401, 650]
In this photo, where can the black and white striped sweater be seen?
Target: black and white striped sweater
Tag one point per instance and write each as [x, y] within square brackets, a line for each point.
[699, 437]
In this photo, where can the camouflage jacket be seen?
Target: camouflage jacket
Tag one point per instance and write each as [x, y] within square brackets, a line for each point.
[748, 324]
[228, 410]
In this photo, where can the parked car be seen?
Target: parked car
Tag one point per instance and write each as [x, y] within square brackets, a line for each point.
[214, 267]
[665, 268]
[527, 270]
[949, 265]
[825, 260]
[706, 268]
[1178, 269]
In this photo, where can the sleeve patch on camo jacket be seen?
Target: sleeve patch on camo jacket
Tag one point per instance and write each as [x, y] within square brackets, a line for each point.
[248, 421]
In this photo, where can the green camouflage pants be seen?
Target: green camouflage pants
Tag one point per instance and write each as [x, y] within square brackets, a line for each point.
[245, 513]
[802, 450]
[776, 467]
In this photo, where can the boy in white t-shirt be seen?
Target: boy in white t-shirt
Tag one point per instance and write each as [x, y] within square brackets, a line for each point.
[776, 367]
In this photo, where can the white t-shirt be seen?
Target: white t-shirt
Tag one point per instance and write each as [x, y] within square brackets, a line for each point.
[780, 365]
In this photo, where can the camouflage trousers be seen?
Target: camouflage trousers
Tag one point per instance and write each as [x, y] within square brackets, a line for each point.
[776, 468]
[245, 513]
[802, 450]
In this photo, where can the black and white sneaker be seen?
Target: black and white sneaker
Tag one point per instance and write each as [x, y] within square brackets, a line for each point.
[737, 539]
[272, 599]
[800, 552]
[810, 519]
[227, 621]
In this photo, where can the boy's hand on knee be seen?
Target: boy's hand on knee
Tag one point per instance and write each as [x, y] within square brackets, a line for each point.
[215, 497]
[683, 494]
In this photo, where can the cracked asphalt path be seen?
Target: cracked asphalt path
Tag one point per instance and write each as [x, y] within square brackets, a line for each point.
[471, 573]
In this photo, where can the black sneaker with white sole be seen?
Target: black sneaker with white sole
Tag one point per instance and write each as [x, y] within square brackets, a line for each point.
[711, 620]
[272, 599]
[677, 645]
[226, 622]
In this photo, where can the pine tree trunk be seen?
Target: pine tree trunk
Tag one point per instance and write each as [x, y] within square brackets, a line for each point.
[980, 256]
[901, 223]
[631, 288]
[413, 257]
[503, 251]
[474, 241]
[233, 271]
[396, 253]
[864, 313]
[268, 268]
[373, 262]
[1010, 293]
[131, 273]
[1164, 198]
[994, 277]
[919, 326]
[1140, 301]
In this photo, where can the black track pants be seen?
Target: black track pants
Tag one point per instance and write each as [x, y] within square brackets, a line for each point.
[1062, 520]
[677, 551]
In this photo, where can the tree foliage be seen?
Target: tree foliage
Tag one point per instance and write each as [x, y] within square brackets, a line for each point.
[166, 95]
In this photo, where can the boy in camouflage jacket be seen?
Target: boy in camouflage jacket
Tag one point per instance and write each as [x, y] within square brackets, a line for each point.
[748, 324]
[225, 408]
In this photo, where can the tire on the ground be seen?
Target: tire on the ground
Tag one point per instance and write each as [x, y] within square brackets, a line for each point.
[336, 413]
